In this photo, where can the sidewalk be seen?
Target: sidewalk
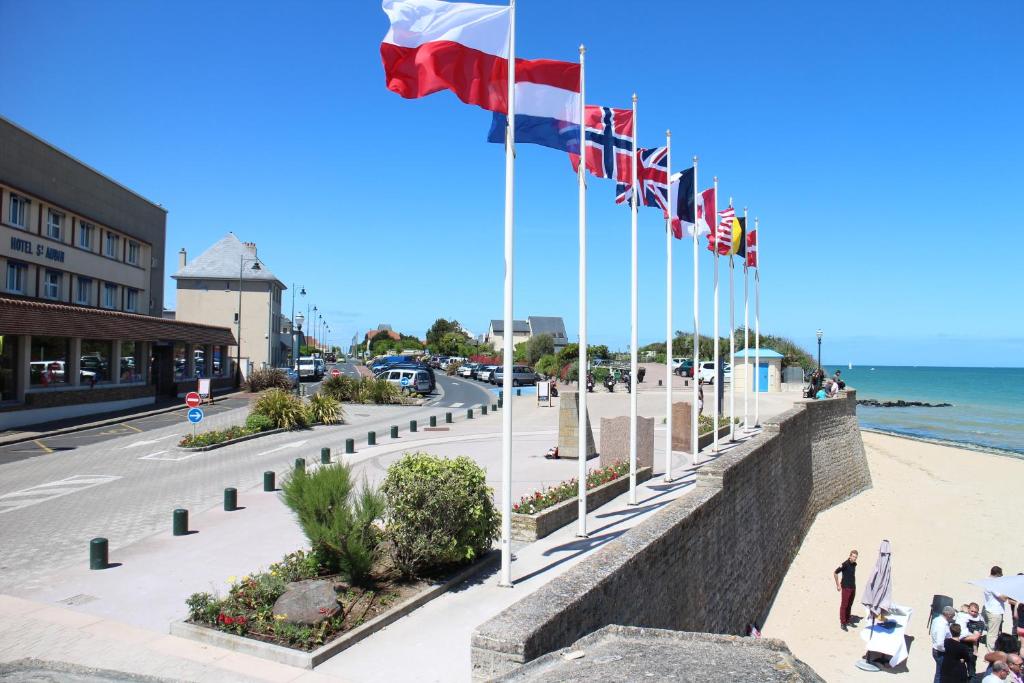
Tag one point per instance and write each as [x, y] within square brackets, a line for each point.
[118, 618]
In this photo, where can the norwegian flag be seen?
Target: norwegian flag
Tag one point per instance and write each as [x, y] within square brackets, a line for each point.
[652, 174]
[752, 249]
[720, 240]
[609, 140]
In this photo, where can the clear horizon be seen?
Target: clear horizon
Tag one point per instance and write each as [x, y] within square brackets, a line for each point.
[845, 135]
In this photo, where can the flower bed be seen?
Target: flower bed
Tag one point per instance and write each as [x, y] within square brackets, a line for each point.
[557, 506]
[216, 436]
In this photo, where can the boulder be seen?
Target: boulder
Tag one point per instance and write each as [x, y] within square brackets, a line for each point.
[615, 441]
[307, 602]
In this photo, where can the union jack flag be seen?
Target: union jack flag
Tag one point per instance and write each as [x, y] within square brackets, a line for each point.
[609, 139]
[652, 175]
[720, 240]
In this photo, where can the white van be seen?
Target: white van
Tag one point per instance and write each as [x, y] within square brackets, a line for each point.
[417, 381]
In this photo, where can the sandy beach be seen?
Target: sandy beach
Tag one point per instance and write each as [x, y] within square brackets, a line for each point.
[940, 508]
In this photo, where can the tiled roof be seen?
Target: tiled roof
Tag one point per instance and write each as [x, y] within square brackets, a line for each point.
[222, 262]
[518, 326]
[547, 325]
[30, 316]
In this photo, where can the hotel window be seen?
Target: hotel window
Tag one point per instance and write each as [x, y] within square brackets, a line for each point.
[85, 233]
[51, 284]
[131, 361]
[83, 291]
[48, 361]
[18, 213]
[95, 360]
[133, 253]
[16, 277]
[109, 295]
[53, 224]
[132, 300]
[113, 245]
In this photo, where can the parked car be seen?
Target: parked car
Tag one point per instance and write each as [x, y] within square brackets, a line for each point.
[520, 375]
[685, 367]
[416, 366]
[52, 371]
[484, 374]
[408, 379]
[468, 370]
[707, 372]
[331, 358]
[292, 374]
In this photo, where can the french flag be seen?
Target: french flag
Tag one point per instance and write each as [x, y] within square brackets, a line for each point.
[464, 47]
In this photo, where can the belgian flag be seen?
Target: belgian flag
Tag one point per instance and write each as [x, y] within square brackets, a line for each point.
[739, 238]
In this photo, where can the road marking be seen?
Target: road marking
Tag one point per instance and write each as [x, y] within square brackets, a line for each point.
[46, 449]
[455, 384]
[294, 444]
[456, 405]
[17, 500]
[183, 456]
[147, 442]
[131, 426]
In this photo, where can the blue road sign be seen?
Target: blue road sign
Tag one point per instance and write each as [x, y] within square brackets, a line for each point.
[195, 415]
[404, 381]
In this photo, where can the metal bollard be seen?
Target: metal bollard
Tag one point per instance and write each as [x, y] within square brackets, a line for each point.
[350, 445]
[394, 431]
[268, 481]
[371, 438]
[230, 500]
[412, 425]
[469, 414]
[494, 407]
[448, 418]
[433, 420]
[180, 525]
[300, 465]
[483, 409]
[519, 392]
[98, 553]
[325, 456]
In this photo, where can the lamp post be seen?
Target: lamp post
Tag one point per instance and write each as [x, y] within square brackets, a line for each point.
[295, 356]
[820, 335]
[241, 271]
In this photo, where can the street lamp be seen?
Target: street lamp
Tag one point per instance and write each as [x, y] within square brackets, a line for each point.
[820, 335]
[242, 260]
[295, 357]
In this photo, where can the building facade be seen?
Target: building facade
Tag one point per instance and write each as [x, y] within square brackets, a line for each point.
[523, 330]
[229, 285]
[81, 258]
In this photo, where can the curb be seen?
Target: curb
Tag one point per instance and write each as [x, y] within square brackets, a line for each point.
[308, 660]
[101, 423]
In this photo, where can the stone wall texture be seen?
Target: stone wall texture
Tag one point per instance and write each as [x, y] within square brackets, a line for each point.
[615, 440]
[568, 427]
[713, 560]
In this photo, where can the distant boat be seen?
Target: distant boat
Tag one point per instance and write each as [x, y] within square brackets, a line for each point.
[849, 366]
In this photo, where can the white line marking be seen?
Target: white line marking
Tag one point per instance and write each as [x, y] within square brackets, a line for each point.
[456, 405]
[50, 490]
[294, 444]
[149, 441]
[455, 384]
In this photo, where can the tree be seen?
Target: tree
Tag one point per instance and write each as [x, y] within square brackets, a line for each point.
[439, 329]
[536, 347]
[449, 344]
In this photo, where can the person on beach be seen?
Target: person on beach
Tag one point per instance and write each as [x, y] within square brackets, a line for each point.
[847, 587]
[971, 622]
[954, 657]
[995, 607]
[940, 632]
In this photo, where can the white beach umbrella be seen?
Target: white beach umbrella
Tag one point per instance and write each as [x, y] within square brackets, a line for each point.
[1010, 586]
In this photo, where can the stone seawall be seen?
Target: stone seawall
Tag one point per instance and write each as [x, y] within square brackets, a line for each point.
[713, 560]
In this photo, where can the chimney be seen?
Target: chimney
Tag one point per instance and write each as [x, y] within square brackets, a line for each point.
[182, 258]
[250, 247]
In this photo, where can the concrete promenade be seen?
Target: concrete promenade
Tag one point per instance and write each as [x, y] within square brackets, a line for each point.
[118, 618]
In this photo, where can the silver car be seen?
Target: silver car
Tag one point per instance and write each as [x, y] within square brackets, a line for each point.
[485, 373]
[416, 381]
[520, 375]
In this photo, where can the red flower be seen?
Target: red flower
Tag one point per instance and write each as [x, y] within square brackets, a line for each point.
[239, 620]
[228, 621]
[323, 610]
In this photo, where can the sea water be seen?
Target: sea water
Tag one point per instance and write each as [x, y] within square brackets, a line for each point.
[987, 412]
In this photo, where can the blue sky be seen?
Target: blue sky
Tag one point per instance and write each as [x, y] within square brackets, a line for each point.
[879, 144]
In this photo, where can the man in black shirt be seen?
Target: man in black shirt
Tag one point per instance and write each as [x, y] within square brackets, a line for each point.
[847, 587]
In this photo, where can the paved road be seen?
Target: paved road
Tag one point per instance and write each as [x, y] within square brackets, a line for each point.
[125, 485]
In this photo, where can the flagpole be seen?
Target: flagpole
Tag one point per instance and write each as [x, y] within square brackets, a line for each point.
[694, 443]
[746, 331]
[668, 315]
[757, 329]
[732, 346]
[717, 379]
[506, 384]
[581, 443]
[634, 337]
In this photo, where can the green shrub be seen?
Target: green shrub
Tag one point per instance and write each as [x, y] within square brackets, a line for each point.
[258, 423]
[439, 512]
[324, 410]
[452, 368]
[547, 365]
[268, 378]
[380, 391]
[213, 437]
[338, 521]
[285, 410]
[341, 388]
